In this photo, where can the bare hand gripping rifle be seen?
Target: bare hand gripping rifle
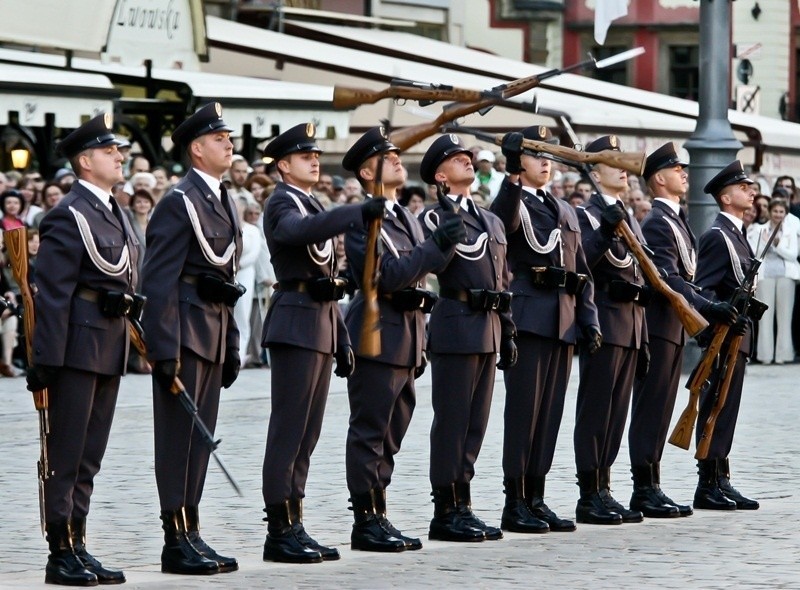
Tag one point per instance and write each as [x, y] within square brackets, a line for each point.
[632, 162]
[409, 136]
[741, 301]
[136, 333]
[16, 241]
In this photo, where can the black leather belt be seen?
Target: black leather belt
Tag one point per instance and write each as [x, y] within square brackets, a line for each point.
[624, 292]
[113, 304]
[553, 277]
[480, 299]
[320, 289]
[411, 299]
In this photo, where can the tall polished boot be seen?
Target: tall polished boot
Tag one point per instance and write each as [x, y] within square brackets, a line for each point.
[683, 510]
[724, 482]
[282, 543]
[225, 564]
[590, 508]
[708, 496]
[296, 514]
[63, 566]
[179, 556]
[447, 523]
[104, 576]
[368, 532]
[645, 499]
[534, 497]
[411, 543]
[604, 488]
[464, 508]
[517, 517]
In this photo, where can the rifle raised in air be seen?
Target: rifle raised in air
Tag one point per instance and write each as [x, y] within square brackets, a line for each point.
[16, 241]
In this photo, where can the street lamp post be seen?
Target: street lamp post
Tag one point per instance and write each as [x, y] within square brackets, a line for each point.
[712, 145]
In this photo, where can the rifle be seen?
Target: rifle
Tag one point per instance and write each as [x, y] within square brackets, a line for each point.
[16, 241]
[370, 341]
[345, 97]
[744, 294]
[136, 333]
[405, 138]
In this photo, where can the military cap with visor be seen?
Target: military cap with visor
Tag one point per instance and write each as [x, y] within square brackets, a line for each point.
[606, 142]
[95, 133]
[663, 157]
[207, 119]
[539, 133]
[372, 142]
[299, 138]
[441, 149]
[733, 173]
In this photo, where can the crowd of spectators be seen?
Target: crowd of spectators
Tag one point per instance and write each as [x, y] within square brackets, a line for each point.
[26, 198]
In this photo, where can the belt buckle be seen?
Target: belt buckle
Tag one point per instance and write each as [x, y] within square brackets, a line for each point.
[493, 299]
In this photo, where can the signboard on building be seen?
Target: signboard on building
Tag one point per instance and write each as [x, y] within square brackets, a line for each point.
[748, 99]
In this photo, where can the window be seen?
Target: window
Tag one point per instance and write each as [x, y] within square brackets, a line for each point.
[617, 73]
[684, 71]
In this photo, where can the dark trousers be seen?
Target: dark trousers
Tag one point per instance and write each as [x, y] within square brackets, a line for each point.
[535, 390]
[653, 402]
[462, 386]
[722, 440]
[81, 411]
[300, 381]
[181, 456]
[382, 399]
[604, 393]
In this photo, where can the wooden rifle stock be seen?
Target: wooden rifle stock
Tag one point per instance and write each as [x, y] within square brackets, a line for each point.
[16, 241]
[345, 97]
[682, 433]
[369, 344]
[722, 397]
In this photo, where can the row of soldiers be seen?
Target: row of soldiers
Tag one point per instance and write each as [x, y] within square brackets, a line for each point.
[573, 281]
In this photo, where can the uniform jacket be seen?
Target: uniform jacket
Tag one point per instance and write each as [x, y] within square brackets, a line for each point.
[405, 260]
[175, 316]
[715, 269]
[662, 320]
[454, 327]
[622, 323]
[551, 313]
[70, 331]
[292, 235]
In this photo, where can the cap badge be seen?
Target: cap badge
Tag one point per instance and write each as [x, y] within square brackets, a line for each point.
[108, 120]
[310, 130]
[218, 108]
[613, 140]
[542, 131]
[454, 138]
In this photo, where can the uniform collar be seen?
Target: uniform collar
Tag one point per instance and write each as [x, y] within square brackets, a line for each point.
[673, 206]
[213, 183]
[104, 197]
[738, 223]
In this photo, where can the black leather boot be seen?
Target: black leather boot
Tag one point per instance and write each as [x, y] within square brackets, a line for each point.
[534, 497]
[379, 496]
[225, 564]
[645, 499]
[464, 509]
[63, 566]
[179, 556]
[282, 543]
[590, 508]
[447, 523]
[604, 489]
[368, 531]
[517, 518]
[683, 509]
[724, 482]
[708, 496]
[104, 576]
[296, 514]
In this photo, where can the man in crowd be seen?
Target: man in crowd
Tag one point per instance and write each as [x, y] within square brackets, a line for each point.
[193, 245]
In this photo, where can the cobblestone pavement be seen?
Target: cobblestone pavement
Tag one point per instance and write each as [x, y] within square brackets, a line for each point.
[708, 550]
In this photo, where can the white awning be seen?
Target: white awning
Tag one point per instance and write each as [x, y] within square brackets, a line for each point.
[268, 106]
[70, 96]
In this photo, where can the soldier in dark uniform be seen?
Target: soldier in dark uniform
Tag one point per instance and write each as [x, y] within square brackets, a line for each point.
[673, 245]
[304, 332]
[606, 377]
[193, 247]
[86, 275]
[552, 307]
[469, 325]
[723, 259]
[381, 388]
